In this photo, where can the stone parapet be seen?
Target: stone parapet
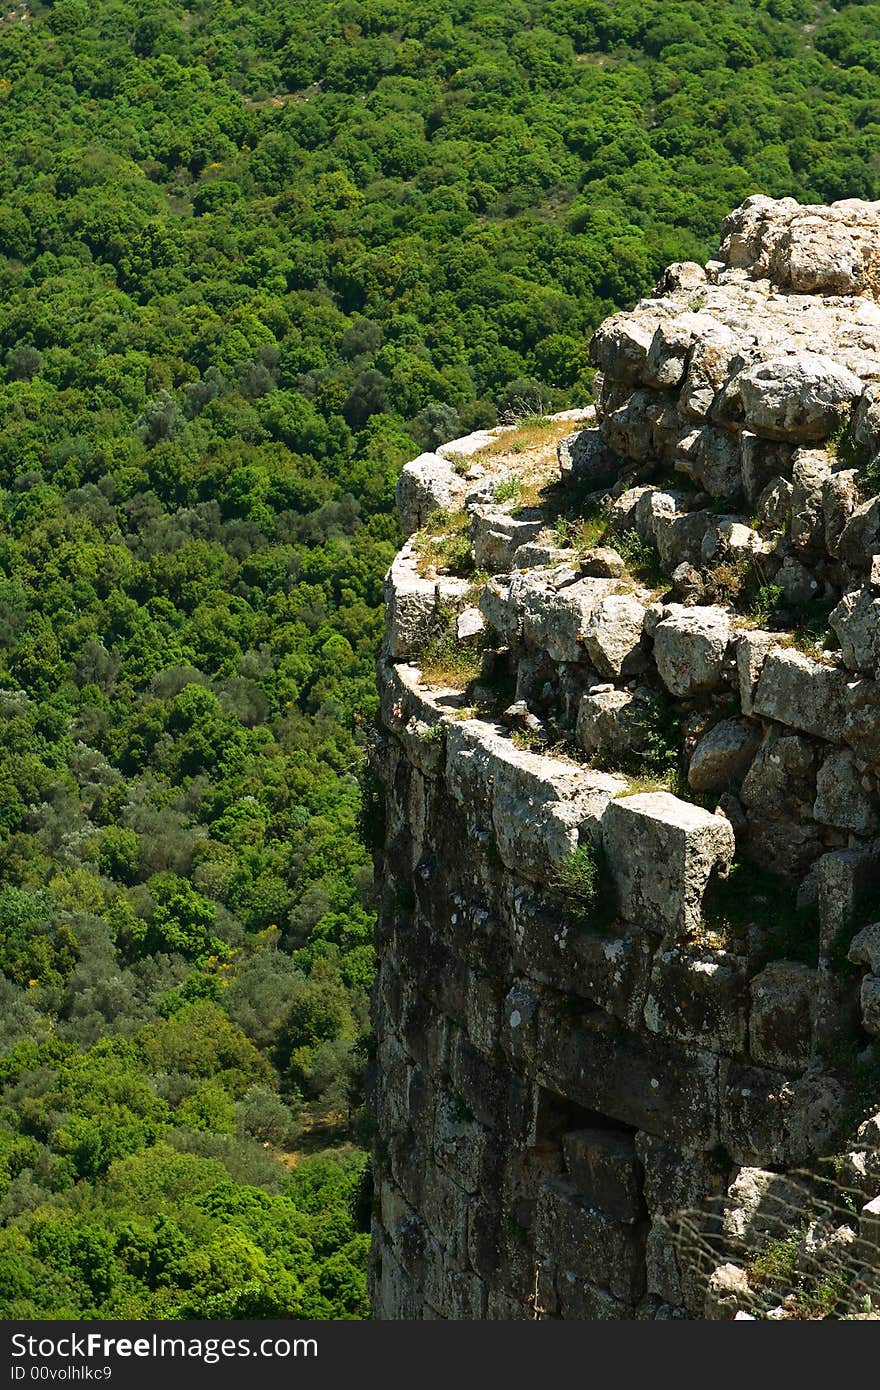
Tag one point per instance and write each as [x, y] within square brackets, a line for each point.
[629, 748]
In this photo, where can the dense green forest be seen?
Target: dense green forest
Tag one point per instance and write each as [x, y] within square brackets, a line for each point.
[252, 259]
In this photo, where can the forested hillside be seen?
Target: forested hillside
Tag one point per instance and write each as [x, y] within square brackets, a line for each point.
[254, 257]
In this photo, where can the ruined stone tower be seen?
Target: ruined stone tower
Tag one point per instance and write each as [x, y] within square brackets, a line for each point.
[629, 961]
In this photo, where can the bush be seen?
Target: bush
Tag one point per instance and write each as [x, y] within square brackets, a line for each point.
[582, 879]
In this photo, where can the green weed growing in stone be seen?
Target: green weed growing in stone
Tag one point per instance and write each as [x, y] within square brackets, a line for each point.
[432, 733]
[765, 602]
[640, 557]
[508, 490]
[583, 881]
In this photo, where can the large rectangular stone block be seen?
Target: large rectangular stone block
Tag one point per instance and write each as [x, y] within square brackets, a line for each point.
[611, 968]
[782, 1019]
[754, 1104]
[539, 805]
[802, 693]
[699, 997]
[662, 1087]
[593, 1247]
[662, 852]
[603, 1166]
[463, 1147]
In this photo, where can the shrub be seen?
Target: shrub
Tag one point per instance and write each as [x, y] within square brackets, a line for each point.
[583, 881]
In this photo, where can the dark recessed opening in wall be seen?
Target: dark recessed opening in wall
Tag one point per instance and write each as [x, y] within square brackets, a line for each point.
[556, 1116]
[592, 1155]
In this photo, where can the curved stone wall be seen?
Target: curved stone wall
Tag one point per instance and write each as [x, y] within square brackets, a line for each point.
[629, 968]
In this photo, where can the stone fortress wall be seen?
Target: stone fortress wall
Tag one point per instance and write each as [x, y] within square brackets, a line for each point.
[629, 961]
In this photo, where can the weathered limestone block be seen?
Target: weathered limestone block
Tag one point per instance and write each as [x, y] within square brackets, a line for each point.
[541, 553]
[763, 462]
[689, 586]
[869, 998]
[577, 1237]
[780, 846]
[809, 475]
[498, 606]
[610, 969]
[754, 1107]
[774, 504]
[730, 539]
[585, 457]
[798, 584]
[817, 256]
[557, 621]
[802, 396]
[495, 1096]
[413, 604]
[723, 755]
[783, 1014]
[761, 1206]
[427, 485]
[681, 275]
[619, 347]
[861, 728]
[469, 623]
[682, 1187]
[614, 723]
[752, 650]
[802, 693]
[812, 1125]
[690, 648]
[412, 711]
[602, 562]
[714, 359]
[662, 853]
[698, 997]
[497, 532]
[527, 600]
[768, 1118]
[613, 636]
[856, 623]
[634, 1079]
[680, 536]
[865, 949]
[711, 457]
[866, 420]
[632, 511]
[539, 804]
[841, 800]
[642, 427]
[840, 498]
[860, 537]
[727, 1293]
[655, 506]
[668, 354]
[603, 1167]
[846, 879]
[781, 782]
